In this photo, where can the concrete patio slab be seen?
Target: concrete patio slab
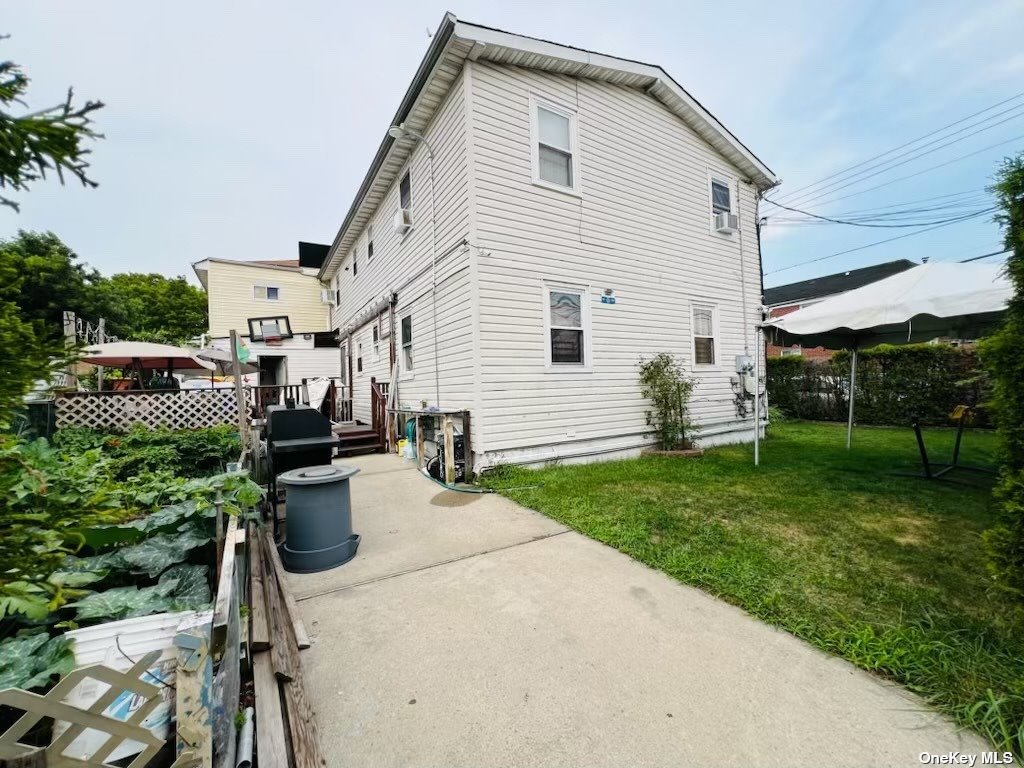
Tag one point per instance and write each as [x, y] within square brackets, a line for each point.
[559, 651]
[407, 522]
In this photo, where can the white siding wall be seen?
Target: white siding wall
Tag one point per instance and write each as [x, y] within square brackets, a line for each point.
[302, 360]
[402, 264]
[642, 227]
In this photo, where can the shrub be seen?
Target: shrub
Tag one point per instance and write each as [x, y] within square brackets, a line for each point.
[665, 385]
[895, 384]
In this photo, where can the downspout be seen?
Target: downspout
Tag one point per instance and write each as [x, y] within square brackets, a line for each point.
[433, 273]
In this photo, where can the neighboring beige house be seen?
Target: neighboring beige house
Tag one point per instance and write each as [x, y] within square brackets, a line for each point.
[279, 309]
[537, 219]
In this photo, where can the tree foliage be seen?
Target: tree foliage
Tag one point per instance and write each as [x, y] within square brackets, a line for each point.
[47, 140]
[151, 307]
[1003, 355]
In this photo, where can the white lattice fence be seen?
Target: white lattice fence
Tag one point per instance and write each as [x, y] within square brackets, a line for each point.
[174, 409]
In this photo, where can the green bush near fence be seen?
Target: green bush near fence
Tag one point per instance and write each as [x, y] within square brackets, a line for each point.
[895, 384]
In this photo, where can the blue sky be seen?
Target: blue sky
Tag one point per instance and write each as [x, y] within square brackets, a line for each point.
[235, 129]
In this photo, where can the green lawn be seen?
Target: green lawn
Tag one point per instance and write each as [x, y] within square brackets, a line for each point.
[886, 571]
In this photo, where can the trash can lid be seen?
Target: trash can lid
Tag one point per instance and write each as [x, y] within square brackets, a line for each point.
[329, 473]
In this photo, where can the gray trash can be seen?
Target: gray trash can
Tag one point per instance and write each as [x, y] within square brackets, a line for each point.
[318, 534]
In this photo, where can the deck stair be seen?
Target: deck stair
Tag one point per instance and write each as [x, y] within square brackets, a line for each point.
[357, 439]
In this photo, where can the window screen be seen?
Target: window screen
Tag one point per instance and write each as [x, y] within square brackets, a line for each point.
[555, 150]
[720, 202]
[405, 191]
[704, 335]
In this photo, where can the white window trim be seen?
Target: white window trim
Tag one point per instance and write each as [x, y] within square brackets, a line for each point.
[587, 365]
[730, 182]
[716, 335]
[404, 374]
[574, 145]
[265, 297]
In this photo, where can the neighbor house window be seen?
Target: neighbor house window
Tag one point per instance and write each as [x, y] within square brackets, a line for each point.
[720, 197]
[566, 326]
[554, 158]
[407, 343]
[359, 358]
[369, 241]
[704, 342]
[405, 191]
[266, 292]
[792, 352]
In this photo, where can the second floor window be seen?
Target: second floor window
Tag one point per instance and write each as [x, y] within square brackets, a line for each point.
[376, 343]
[369, 241]
[355, 265]
[405, 192]
[554, 131]
[266, 292]
[720, 197]
[359, 357]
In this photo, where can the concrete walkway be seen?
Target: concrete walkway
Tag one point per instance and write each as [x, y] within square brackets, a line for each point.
[469, 631]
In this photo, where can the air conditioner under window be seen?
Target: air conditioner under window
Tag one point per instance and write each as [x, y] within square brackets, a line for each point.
[327, 297]
[726, 223]
[403, 221]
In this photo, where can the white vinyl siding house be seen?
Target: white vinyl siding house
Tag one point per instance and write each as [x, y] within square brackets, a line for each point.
[575, 234]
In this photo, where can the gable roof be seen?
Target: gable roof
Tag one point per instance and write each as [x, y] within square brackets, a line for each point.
[457, 41]
[829, 285]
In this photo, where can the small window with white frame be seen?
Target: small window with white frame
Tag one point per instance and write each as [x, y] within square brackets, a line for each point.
[705, 341]
[376, 343]
[566, 327]
[407, 361]
[369, 241]
[721, 196]
[266, 293]
[555, 155]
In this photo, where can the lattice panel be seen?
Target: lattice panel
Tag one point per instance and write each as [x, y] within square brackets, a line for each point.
[174, 409]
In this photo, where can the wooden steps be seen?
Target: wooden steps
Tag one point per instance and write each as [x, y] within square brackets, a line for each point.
[357, 439]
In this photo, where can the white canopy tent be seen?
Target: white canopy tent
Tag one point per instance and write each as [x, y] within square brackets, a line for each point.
[961, 301]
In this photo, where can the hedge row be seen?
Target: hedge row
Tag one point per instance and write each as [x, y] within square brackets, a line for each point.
[894, 384]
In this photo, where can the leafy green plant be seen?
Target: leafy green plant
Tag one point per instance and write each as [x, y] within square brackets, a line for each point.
[665, 385]
[1004, 359]
[31, 661]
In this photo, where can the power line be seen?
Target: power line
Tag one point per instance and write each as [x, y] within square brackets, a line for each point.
[887, 166]
[984, 256]
[852, 223]
[902, 146]
[918, 173]
[878, 242]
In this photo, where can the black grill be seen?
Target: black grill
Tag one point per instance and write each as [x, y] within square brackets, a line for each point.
[297, 436]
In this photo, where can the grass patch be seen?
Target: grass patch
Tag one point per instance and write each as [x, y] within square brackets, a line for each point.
[885, 571]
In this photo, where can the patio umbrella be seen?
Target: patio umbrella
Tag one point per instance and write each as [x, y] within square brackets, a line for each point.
[221, 359]
[143, 355]
[962, 301]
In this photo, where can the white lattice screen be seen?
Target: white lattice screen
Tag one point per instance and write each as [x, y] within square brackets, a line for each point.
[174, 409]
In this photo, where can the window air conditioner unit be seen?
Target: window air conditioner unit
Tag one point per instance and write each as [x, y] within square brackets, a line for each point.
[327, 297]
[403, 221]
[726, 223]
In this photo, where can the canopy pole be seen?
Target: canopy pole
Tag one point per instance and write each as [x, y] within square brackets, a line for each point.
[757, 395]
[853, 396]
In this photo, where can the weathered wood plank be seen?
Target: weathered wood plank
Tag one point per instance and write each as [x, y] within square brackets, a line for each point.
[302, 725]
[222, 604]
[449, 450]
[294, 616]
[281, 637]
[271, 745]
[260, 637]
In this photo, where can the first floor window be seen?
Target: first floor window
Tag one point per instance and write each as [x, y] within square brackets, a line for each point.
[407, 343]
[704, 334]
[565, 326]
[376, 342]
